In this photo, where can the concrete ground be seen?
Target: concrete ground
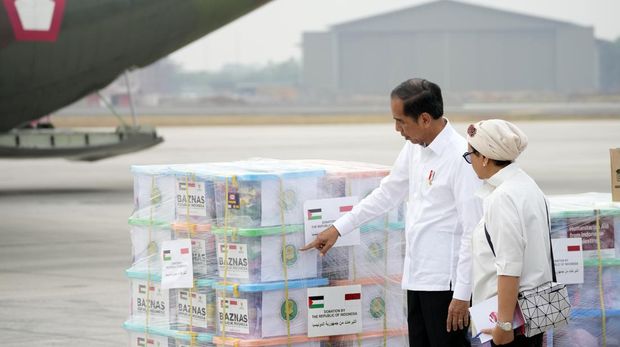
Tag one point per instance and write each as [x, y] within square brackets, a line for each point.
[64, 240]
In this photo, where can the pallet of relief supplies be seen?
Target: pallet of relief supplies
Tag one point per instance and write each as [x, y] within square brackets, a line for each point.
[595, 220]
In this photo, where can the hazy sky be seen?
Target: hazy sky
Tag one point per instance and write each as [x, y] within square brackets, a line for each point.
[273, 32]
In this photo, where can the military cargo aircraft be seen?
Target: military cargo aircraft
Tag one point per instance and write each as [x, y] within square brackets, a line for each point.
[54, 52]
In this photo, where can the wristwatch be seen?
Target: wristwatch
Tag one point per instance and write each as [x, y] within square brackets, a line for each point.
[505, 326]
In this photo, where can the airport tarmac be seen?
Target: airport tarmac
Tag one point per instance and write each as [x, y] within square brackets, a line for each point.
[64, 240]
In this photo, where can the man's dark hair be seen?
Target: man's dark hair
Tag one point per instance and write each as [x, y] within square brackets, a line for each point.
[419, 96]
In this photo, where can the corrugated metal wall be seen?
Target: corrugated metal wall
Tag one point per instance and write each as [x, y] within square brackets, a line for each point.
[491, 51]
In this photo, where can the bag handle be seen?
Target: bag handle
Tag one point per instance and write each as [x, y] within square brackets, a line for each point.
[550, 243]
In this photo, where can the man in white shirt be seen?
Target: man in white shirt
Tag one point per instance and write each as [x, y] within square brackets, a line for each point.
[442, 210]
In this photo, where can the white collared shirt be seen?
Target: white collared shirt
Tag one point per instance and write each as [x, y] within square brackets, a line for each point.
[517, 221]
[441, 212]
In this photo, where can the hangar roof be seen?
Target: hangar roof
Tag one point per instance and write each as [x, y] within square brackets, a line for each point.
[447, 15]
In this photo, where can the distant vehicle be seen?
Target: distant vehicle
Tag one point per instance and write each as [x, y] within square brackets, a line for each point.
[54, 52]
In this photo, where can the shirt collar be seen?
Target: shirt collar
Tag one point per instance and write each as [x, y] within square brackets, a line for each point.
[442, 139]
[496, 180]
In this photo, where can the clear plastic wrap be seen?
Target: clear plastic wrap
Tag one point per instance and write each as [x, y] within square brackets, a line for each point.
[144, 336]
[154, 192]
[595, 316]
[245, 221]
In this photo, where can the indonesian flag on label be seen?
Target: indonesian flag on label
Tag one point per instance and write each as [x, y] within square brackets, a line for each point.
[352, 296]
[346, 208]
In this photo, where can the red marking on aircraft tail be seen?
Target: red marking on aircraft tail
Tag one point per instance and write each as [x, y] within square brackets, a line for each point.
[22, 34]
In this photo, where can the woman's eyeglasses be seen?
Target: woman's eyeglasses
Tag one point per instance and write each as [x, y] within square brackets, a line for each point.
[467, 156]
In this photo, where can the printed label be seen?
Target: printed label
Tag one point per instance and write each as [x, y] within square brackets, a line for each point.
[334, 310]
[233, 200]
[585, 228]
[236, 264]
[140, 340]
[233, 315]
[192, 193]
[192, 304]
[149, 297]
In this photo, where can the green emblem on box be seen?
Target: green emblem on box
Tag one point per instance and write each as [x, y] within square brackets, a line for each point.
[289, 254]
[288, 308]
[377, 307]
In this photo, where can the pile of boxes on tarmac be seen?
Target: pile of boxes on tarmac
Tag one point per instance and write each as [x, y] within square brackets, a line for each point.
[243, 224]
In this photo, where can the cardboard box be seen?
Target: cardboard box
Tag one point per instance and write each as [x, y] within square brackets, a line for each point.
[614, 154]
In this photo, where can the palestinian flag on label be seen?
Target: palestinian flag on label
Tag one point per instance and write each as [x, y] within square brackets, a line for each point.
[225, 303]
[183, 295]
[167, 255]
[316, 301]
[314, 214]
[142, 342]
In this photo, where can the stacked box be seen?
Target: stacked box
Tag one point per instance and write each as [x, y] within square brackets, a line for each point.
[145, 336]
[245, 204]
[150, 304]
[595, 315]
[194, 193]
[381, 252]
[376, 263]
[154, 193]
[255, 255]
[146, 241]
[262, 310]
[383, 303]
[191, 309]
[203, 248]
[260, 197]
[194, 308]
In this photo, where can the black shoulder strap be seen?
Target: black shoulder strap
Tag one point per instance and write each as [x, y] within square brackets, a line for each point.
[489, 239]
[550, 243]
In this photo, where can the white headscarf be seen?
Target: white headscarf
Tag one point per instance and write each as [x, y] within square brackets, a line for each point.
[497, 139]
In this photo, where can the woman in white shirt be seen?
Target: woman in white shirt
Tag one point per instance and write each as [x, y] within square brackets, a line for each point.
[514, 256]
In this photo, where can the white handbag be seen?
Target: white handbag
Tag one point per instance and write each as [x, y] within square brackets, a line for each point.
[546, 306]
